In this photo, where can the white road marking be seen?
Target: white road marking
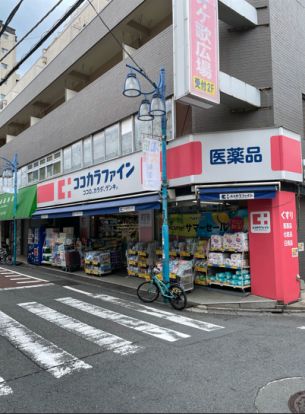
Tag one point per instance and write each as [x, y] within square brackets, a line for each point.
[97, 336]
[11, 276]
[146, 327]
[43, 352]
[29, 281]
[19, 278]
[14, 273]
[183, 320]
[27, 287]
[4, 388]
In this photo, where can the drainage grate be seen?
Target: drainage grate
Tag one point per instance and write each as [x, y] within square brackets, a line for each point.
[296, 402]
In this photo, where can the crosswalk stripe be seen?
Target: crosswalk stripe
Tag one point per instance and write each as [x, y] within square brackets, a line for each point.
[103, 339]
[28, 287]
[4, 388]
[19, 278]
[43, 352]
[146, 327]
[183, 320]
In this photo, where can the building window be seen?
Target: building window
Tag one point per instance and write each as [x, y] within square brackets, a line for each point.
[50, 170]
[42, 174]
[4, 65]
[143, 129]
[4, 50]
[112, 142]
[126, 136]
[67, 159]
[99, 147]
[87, 151]
[57, 168]
[76, 155]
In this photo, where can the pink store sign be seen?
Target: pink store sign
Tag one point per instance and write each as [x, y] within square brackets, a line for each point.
[204, 49]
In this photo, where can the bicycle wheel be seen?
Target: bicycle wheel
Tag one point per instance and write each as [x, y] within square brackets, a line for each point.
[179, 301]
[148, 291]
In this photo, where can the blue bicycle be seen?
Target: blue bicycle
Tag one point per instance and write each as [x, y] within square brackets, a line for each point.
[149, 291]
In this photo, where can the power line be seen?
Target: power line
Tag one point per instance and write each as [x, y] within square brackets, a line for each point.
[11, 15]
[30, 31]
[115, 38]
[42, 40]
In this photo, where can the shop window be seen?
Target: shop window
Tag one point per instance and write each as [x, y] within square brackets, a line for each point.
[35, 175]
[77, 155]
[57, 155]
[87, 151]
[42, 162]
[35, 164]
[49, 158]
[126, 136]
[42, 173]
[112, 142]
[99, 147]
[143, 129]
[30, 177]
[57, 168]
[67, 159]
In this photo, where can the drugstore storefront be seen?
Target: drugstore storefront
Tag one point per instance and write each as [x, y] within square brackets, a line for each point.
[241, 210]
[250, 177]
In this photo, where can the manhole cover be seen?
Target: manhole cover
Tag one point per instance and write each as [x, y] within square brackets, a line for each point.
[296, 402]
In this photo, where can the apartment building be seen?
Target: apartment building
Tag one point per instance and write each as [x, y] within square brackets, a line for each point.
[7, 41]
[235, 167]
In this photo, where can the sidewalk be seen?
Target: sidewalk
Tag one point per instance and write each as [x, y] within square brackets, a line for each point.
[202, 299]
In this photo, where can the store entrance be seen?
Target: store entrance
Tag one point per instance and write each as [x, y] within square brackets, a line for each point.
[210, 242]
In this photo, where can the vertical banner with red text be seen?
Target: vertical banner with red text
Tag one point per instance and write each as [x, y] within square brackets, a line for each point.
[204, 49]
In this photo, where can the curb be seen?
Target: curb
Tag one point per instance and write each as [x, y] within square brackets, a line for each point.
[231, 308]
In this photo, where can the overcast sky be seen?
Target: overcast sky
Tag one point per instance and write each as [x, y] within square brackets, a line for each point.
[28, 14]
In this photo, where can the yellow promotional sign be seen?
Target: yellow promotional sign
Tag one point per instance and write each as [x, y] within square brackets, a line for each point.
[184, 225]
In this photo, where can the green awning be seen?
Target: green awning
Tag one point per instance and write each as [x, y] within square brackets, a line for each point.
[26, 203]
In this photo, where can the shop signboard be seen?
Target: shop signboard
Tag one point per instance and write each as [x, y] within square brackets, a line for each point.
[207, 223]
[236, 196]
[196, 52]
[260, 222]
[114, 178]
[26, 204]
[270, 154]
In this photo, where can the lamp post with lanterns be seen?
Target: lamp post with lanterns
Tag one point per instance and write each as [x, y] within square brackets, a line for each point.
[147, 111]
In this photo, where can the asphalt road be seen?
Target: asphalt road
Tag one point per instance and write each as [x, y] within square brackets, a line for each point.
[83, 348]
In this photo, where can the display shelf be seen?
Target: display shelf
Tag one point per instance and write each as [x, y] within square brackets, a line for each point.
[200, 282]
[159, 252]
[134, 252]
[211, 282]
[185, 254]
[228, 250]
[229, 267]
[132, 262]
[143, 253]
[200, 255]
[200, 269]
[142, 264]
[173, 253]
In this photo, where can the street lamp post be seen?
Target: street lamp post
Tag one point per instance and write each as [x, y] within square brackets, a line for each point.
[10, 171]
[147, 111]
